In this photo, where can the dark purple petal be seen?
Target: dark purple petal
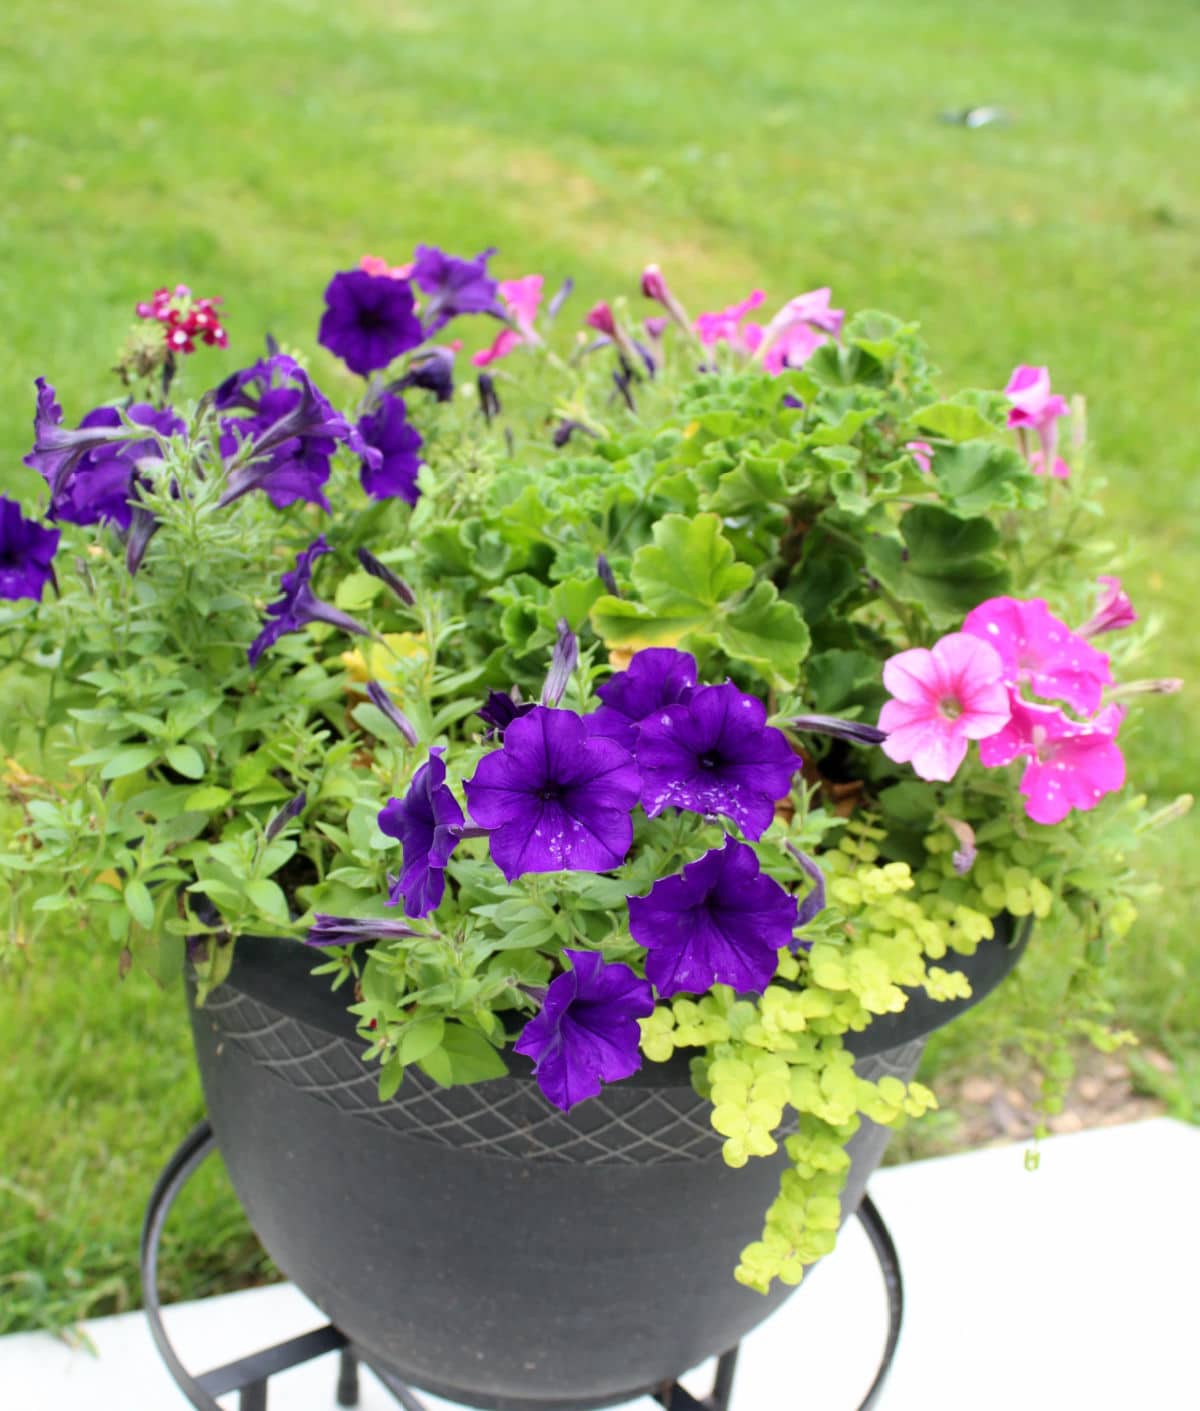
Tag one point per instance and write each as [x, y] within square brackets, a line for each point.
[369, 320]
[555, 798]
[352, 930]
[715, 755]
[428, 823]
[587, 1031]
[721, 922]
[501, 709]
[387, 430]
[377, 569]
[655, 677]
[26, 553]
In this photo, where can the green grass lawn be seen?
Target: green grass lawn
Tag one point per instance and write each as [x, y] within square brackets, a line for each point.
[250, 150]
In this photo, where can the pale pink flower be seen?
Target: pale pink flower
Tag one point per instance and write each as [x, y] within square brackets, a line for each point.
[1113, 609]
[1038, 649]
[1072, 763]
[943, 697]
[1035, 408]
[375, 264]
[725, 326]
[521, 299]
[791, 347]
[921, 452]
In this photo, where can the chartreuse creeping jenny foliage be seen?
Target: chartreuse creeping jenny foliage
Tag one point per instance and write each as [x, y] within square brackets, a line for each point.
[546, 704]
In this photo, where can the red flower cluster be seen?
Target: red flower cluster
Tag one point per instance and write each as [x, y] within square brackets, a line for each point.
[184, 319]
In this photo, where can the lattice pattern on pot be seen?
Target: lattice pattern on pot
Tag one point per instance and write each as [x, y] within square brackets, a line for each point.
[510, 1118]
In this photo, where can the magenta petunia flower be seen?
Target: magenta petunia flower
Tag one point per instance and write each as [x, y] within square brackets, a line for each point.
[715, 754]
[26, 553]
[369, 320]
[299, 605]
[454, 286]
[521, 298]
[1036, 648]
[555, 798]
[428, 823]
[720, 922]
[1113, 609]
[799, 329]
[921, 452]
[1035, 408]
[726, 325]
[387, 429]
[500, 347]
[942, 698]
[655, 677]
[1072, 764]
[587, 1030]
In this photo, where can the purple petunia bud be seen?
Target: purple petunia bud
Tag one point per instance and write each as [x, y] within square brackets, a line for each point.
[285, 815]
[501, 709]
[380, 570]
[855, 731]
[554, 307]
[622, 383]
[655, 287]
[600, 317]
[814, 903]
[562, 664]
[353, 930]
[380, 699]
[605, 574]
[432, 372]
[142, 528]
[567, 428]
[489, 398]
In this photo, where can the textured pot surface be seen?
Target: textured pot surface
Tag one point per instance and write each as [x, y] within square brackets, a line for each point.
[476, 1241]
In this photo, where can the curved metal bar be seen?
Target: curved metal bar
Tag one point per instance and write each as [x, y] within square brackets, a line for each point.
[889, 1263]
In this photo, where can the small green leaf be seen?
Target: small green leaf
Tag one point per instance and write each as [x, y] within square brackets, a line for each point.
[129, 761]
[357, 591]
[952, 420]
[420, 1038]
[980, 476]
[139, 903]
[186, 760]
[268, 897]
[207, 798]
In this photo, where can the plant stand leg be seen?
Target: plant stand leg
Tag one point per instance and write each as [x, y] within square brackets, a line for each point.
[253, 1397]
[347, 1382]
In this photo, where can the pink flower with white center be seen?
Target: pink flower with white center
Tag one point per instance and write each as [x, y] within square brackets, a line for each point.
[1038, 649]
[521, 298]
[943, 697]
[1113, 609]
[1035, 408]
[725, 326]
[1072, 763]
[921, 452]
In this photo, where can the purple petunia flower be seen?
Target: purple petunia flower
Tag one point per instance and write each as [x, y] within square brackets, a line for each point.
[587, 1031]
[387, 429]
[293, 430]
[428, 823]
[455, 286]
[369, 320]
[300, 605]
[57, 450]
[26, 553]
[655, 677]
[353, 930]
[715, 754]
[554, 797]
[720, 922]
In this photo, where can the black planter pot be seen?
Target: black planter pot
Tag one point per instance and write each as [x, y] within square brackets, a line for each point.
[477, 1242]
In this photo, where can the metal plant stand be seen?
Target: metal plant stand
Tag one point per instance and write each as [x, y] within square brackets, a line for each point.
[249, 1376]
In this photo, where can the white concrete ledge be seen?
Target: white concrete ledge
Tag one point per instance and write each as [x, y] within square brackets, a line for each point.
[1072, 1287]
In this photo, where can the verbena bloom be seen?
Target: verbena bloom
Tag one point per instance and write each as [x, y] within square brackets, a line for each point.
[1038, 649]
[942, 698]
[1071, 764]
[655, 677]
[369, 320]
[720, 922]
[299, 605]
[353, 930]
[26, 553]
[387, 429]
[921, 452]
[1035, 408]
[1113, 609]
[715, 754]
[428, 823]
[292, 431]
[726, 326]
[587, 1030]
[454, 286]
[553, 797]
[184, 319]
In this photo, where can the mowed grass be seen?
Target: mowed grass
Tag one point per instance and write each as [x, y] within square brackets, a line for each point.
[249, 150]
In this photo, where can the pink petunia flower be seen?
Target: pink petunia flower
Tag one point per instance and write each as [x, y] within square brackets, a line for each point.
[943, 697]
[921, 452]
[377, 265]
[500, 347]
[1039, 649]
[799, 329]
[1072, 764]
[1113, 609]
[522, 298]
[1035, 408]
[726, 326]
